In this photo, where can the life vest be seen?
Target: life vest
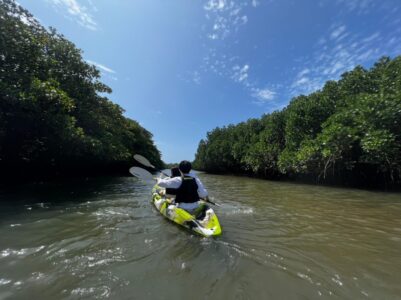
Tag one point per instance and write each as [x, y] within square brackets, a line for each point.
[188, 191]
[171, 191]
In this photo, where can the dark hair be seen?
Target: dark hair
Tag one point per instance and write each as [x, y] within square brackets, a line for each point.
[175, 172]
[185, 166]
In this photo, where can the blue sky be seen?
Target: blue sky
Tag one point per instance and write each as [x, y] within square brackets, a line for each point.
[183, 67]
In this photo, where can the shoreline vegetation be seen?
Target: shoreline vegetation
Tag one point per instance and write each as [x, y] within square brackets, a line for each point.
[55, 119]
[346, 134]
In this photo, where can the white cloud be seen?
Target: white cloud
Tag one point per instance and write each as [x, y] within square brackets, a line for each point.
[371, 38]
[240, 73]
[159, 143]
[101, 67]
[78, 12]
[92, 5]
[196, 77]
[263, 95]
[305, 83]
[213, 36]
[341, 53]
[226, 17]
[336, 33]
[255, 3]
[193, 77]
[358, 6]
[214, 5]
[304, 72]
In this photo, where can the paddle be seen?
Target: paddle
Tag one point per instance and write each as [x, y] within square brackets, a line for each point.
[142, 174]
[145, 162]
[211, 202]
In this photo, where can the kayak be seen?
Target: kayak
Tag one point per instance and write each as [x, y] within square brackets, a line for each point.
[204, 221]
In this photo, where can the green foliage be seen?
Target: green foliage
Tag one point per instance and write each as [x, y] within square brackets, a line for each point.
[350, 129]
[53, 112]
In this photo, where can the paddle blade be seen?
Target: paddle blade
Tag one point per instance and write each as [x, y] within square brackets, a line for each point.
[143, 161]
[142, 174]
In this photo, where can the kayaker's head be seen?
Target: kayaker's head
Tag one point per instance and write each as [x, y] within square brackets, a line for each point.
[175, 172]
[185, 166]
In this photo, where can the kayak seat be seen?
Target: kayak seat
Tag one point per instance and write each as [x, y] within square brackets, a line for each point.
[200, 212]
[191, 224]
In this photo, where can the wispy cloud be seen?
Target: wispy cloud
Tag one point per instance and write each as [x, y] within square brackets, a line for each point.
[358, 6]
[101, 67]
[240, 74]
[305, 82]
[106, 71]
[225, 17]
[26, 19]
[76, 11]
[196, 78]
[342, 52]
[191, 77]
[255, 3]
[263, 95]
[337, 32]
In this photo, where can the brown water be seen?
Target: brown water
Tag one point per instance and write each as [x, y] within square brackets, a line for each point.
[101, 238]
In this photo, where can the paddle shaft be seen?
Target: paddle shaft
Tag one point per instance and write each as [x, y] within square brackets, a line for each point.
[144, 161]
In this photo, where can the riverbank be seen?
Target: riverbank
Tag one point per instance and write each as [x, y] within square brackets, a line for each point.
[377, 184]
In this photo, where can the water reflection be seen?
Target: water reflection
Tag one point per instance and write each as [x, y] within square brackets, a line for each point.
[101, 238]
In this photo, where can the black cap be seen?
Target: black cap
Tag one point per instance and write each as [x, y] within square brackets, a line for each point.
[185, 166]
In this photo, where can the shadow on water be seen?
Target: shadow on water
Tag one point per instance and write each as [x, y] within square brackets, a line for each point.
[18, 199]
[101, 238]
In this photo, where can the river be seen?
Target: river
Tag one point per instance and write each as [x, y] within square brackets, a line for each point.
[101, 238]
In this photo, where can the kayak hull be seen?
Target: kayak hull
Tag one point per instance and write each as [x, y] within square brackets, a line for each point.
[207, 226]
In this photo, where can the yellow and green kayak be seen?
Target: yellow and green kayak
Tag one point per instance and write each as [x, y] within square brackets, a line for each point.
[204, 221]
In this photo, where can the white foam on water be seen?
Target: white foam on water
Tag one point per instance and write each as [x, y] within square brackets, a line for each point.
[304, 276]
[102, 292]
[38, 275]
[20, 252]
[241, 211]
[336, 279]
[4, 281]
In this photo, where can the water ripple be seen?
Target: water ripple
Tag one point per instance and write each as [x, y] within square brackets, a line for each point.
[103, 239]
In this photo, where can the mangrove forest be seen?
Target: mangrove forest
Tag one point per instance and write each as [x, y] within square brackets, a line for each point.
[347, 133]
[55, 117]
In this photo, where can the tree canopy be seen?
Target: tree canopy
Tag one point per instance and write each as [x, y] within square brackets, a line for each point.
[54, 113]
[348, 132]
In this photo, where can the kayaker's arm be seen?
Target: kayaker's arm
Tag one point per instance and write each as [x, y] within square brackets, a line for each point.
[172, 183]
[202, 192]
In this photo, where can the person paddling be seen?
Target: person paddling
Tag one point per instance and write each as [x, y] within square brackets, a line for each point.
[188, 188]
[170, 193]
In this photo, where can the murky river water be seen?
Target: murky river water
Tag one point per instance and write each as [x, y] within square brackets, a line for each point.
[101, 238]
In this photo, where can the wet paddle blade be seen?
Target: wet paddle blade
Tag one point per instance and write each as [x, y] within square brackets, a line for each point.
[142, 174]
[143, 161]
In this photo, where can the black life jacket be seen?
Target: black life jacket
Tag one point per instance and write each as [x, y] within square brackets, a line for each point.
[171, 191]
[188, 191]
